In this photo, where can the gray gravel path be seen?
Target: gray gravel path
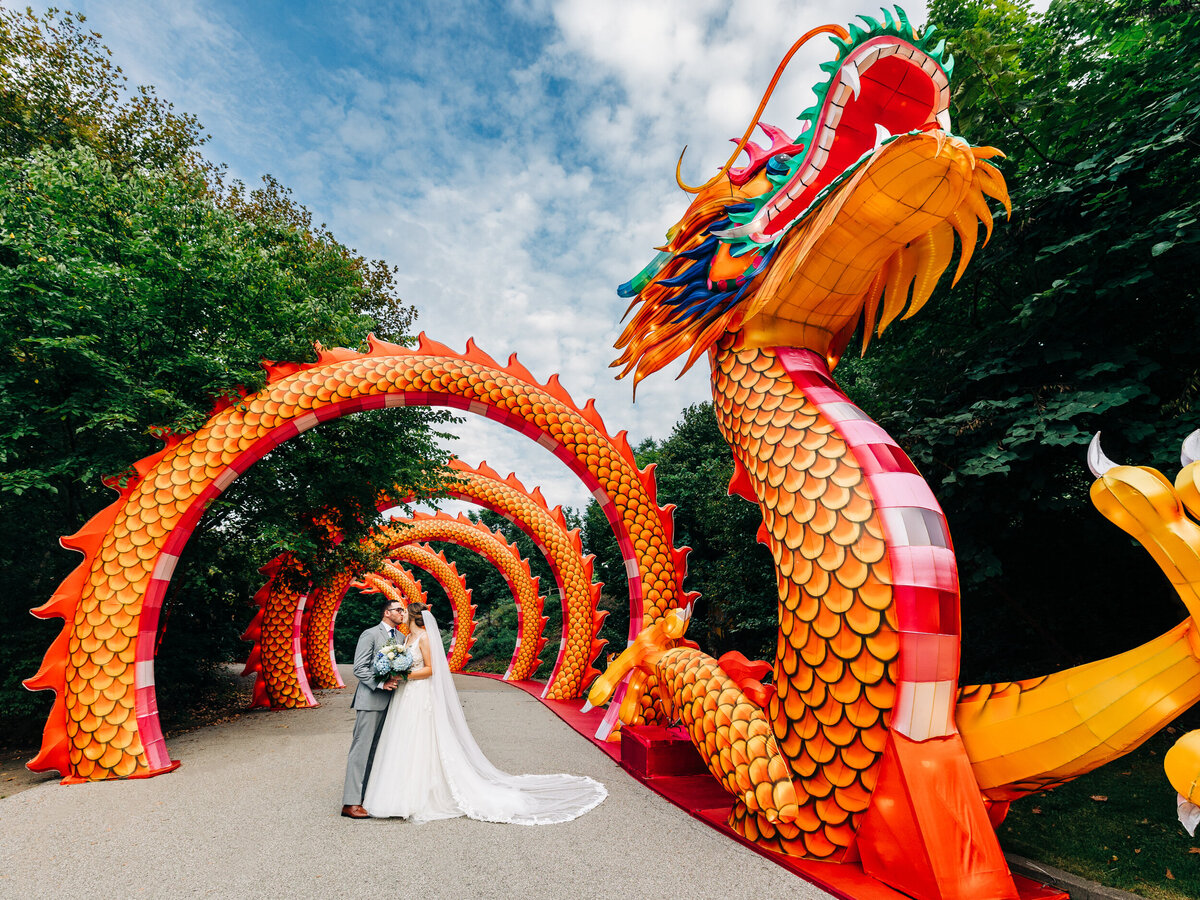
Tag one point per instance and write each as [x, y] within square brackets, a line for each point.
[253, 812]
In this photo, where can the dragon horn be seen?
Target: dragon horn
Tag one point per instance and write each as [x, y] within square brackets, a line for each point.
[821, 29]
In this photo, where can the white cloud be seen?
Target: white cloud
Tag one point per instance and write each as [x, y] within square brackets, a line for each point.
[516, 165]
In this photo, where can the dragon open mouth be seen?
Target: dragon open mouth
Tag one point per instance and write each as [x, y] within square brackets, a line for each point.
[883, 87]
[848, 222]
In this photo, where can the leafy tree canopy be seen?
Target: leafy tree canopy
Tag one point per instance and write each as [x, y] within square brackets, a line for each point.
[138, 288]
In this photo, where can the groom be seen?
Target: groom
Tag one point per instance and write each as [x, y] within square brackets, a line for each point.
[370, 702]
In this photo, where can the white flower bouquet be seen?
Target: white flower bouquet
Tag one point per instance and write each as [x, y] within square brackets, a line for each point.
[392, 661]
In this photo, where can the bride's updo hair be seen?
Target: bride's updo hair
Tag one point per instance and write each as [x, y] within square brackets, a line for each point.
[414, 613]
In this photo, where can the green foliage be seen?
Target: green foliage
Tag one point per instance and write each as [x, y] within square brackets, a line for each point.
[136, 290]
[59, 87]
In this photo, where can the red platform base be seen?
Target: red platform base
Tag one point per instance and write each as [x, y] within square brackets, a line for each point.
[652, 751]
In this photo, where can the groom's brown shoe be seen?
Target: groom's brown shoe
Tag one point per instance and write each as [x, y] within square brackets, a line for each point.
[355, 812]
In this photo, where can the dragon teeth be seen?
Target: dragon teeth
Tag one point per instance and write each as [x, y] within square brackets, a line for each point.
[881, 135]
[943, 120]
[850, 78]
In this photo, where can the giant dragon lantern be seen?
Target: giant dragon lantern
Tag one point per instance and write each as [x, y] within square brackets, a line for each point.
[863, 747]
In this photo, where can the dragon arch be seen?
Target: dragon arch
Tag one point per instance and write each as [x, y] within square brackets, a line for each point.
[288, 663]
[445, 573]
[527, 509]
[316, 633]
[863, 747]
[104, 720]
[399, 584]
[395, 583]
[506, 558]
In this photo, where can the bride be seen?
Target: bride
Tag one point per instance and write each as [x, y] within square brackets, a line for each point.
[427, 765]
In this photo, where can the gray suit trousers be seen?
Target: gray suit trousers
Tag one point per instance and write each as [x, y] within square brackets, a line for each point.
[367, 725]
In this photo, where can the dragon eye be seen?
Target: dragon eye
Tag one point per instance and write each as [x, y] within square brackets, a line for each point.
[778, 165]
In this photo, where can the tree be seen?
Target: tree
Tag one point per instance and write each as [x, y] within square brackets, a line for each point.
[137, 289]
[59, 87]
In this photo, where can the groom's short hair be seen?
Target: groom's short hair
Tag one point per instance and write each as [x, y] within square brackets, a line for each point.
[387, 604]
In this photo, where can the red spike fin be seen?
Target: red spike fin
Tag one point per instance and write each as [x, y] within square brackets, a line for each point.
[484, 469]
[740, 484]
[748, 676]
[430, 347]
[336, 355]
[763, 536]
[475, 355]
[378, 347]
[555, 389]
[63, 601]
[276, 371]
[621, 440]
[253, 662]
[590, 413]
[50, 676]
[515, 368]
[650, 484]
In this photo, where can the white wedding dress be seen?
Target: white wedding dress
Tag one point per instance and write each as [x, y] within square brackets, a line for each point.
[427, 765]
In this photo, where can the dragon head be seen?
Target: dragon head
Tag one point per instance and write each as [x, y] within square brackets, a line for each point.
[840, 224]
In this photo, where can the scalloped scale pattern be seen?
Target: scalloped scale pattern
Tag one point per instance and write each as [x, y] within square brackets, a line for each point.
[836, 664]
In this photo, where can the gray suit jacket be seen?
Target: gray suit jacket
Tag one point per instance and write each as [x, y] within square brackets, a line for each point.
[367, 695]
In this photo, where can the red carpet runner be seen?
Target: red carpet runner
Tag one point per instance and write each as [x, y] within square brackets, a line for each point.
[702, 796]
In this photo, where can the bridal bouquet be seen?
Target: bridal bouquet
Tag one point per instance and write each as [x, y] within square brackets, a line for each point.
[392, 661]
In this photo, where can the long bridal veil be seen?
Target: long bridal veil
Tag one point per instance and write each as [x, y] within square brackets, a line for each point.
[483, 791]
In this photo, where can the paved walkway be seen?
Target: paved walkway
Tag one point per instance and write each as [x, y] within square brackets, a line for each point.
[253, 812]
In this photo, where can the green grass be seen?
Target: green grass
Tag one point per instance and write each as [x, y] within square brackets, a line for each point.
[1131, 839]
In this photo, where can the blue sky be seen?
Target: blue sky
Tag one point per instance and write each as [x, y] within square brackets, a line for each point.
[514, 160]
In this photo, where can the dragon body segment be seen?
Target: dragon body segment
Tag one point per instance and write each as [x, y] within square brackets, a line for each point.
[563, 550]
[316, 632]
[445, 573]
[769, 273]
[398, 585]
[279, 682]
